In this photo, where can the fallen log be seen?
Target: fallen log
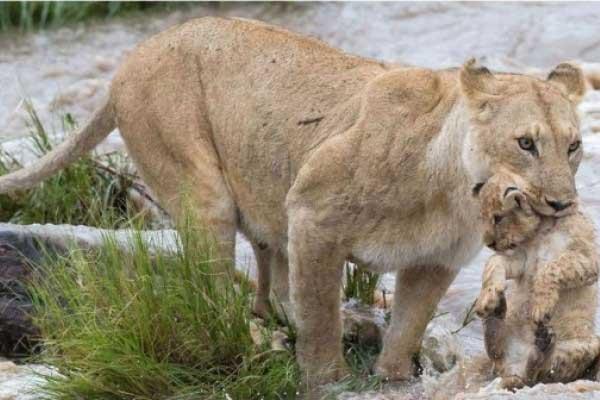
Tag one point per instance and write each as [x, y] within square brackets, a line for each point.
[24, 248]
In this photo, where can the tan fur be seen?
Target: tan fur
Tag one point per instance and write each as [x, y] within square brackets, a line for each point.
[320, 156]
[593, 78]
[542, 329]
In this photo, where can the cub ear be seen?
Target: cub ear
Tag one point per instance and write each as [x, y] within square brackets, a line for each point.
[477, 189]
[478, 85]
[514, 199]
[570, 79]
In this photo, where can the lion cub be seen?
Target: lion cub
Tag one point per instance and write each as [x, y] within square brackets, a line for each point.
[542, 329]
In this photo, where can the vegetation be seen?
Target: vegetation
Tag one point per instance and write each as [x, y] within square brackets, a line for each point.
[133, 324]
[92, 191]
[136, 325]
[28, 15]
[360, 284]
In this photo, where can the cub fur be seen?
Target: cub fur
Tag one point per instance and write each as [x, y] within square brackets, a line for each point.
[539, 293]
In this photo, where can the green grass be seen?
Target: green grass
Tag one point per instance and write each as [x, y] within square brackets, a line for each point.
[360, 284]
[131, 325]
[27, 15]
[91, 191]
[136, 325]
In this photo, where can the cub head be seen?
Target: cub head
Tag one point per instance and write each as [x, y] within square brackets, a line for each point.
[527, 126]
[508, 219]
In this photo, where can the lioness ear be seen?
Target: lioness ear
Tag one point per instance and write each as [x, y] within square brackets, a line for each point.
[478, 85]
[570, 79]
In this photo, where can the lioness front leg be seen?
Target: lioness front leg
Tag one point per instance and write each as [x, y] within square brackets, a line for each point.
[316, 268]
[417, 294]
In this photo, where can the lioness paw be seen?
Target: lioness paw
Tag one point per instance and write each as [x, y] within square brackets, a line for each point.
[395, 370]
[512, 382]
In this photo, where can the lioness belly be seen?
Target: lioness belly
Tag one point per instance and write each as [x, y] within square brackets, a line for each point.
[436, 240]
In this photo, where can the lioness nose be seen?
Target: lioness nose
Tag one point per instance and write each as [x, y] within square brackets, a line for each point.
[557, 205]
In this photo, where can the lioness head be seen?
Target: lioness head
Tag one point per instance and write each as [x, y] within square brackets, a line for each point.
[508, 218]
[529, 127]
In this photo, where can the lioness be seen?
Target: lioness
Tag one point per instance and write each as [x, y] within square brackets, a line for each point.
[319, 156]
[542, 329]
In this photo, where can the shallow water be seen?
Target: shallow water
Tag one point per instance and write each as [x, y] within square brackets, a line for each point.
[68, 70]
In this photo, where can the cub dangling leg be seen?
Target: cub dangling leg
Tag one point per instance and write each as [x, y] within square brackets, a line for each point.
[571, 358]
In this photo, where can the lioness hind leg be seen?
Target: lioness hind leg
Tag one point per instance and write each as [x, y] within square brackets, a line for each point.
[162, 118]
[264, 255]
[280, 285]
[571, 358]
[417, 294]
[272, 289]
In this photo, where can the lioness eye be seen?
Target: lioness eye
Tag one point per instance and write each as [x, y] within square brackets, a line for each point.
[497, 219]
[574, 146]
[527, 144]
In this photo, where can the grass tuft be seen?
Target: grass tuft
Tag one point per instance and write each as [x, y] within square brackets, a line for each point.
[360, 284]
[91, 191]
[136, 325]
[29, 15]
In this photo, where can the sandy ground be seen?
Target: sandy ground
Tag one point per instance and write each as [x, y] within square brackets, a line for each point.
[68, 70]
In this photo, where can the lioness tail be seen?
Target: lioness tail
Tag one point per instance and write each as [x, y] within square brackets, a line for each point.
[85, 139]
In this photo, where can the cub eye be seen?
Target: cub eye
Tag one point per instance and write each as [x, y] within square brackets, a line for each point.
[526, 143]
[497, 219]
[574, 146]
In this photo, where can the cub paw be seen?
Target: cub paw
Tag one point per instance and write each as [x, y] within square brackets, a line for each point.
[541, 312]
[491, 303]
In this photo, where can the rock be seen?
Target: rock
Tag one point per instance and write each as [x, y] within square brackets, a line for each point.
[577, 390]
[363, 324]
[257, 332]
[279, 341]
[440, 349]
[22, 382]
[411, 390]
[8, 367]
